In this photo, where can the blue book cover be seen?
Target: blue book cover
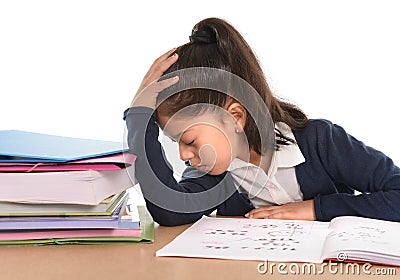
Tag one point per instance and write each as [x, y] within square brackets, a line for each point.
[24, 146]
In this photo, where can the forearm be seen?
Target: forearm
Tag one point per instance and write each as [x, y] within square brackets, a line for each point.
[166, 199]
[383, 205]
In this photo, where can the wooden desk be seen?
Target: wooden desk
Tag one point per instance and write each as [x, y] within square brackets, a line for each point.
[136, 261]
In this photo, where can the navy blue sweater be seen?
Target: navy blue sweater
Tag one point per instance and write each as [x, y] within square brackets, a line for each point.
[335, 165]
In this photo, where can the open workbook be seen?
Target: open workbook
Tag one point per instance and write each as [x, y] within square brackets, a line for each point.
[344, 238]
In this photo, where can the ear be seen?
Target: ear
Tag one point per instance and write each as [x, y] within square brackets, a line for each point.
[239, 113]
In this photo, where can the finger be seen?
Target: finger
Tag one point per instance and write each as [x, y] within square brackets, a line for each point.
[155, 87]
[165, 55]
[264, 211]
[161, 85]
[278, 215]
[165, 64]
[263, 208]
[158, 69]
[269, 214]
[162, 66]
[160, 59]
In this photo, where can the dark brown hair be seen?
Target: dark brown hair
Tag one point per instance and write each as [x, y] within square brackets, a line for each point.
[228, 50]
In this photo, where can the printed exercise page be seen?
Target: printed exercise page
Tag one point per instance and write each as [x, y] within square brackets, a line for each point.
[251, 239]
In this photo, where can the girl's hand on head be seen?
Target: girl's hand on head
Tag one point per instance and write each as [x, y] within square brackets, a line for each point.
[148, 90]
[303, 210]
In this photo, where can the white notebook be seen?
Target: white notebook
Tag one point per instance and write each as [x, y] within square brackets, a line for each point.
[88, 187]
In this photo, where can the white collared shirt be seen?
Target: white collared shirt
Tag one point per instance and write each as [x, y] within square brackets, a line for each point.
[280, 185]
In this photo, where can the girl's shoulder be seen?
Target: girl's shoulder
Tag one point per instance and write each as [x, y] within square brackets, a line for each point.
[316, 127]
[321, 134]
[318, 124]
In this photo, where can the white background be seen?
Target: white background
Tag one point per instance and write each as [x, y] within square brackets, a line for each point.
[72, 67]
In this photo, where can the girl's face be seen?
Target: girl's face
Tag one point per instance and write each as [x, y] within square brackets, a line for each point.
[208, 142]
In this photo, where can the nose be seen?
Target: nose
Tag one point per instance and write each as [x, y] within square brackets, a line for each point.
[185, 153]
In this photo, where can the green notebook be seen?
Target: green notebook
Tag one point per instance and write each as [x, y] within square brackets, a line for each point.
[146, 235]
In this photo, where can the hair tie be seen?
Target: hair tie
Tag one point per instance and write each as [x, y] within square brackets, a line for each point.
[203, 36]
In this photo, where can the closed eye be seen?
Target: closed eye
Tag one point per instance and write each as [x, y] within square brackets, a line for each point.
[190, 143]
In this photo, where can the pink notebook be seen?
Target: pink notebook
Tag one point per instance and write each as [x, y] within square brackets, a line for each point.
[30, 235]
[112, 162]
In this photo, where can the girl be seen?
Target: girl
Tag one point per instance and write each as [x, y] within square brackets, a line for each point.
[312, 172]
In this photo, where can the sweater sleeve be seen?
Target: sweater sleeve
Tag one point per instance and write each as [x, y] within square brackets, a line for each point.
[351, 163]
[169, 202]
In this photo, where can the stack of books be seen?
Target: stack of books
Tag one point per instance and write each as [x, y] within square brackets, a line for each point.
[58, 190]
